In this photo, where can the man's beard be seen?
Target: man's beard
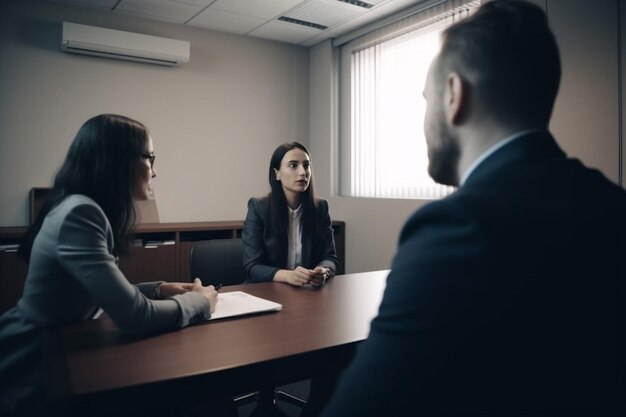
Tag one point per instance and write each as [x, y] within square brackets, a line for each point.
[444, 158]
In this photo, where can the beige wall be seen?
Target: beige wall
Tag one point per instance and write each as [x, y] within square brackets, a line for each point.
[622, 77]
[586, 121]
[372, 225]
[214, 121]
[586, 116]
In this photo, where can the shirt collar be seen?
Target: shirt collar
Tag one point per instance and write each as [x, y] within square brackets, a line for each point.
[296, 211]
[492, 150]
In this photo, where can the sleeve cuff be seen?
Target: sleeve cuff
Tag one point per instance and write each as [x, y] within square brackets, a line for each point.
[193, 308]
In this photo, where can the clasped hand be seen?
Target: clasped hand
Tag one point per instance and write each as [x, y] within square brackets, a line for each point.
[301, 276]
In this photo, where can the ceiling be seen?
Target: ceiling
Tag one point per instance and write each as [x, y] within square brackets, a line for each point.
[279, 20]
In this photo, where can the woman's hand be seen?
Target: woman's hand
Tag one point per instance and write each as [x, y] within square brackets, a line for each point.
[298, 277]
[170, 289]
[321, 276]
[209, 292]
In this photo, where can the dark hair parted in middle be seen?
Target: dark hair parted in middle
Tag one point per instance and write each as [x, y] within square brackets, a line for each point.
[278, 201]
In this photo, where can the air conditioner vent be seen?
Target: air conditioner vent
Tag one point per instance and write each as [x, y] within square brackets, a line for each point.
[302, 23]
[358, 3]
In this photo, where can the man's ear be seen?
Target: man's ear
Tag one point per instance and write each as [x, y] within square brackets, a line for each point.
[456, 98]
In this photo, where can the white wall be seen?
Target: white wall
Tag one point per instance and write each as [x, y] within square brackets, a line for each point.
[215, 121]
[586, 121]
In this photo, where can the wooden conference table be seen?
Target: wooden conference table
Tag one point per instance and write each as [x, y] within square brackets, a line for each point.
[315, 333]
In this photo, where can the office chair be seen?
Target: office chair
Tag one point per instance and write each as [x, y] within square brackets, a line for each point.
[217, 261]
[220, 261]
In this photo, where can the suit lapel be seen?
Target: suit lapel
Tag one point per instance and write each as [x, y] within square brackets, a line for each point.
[283, 244]
[306, 249]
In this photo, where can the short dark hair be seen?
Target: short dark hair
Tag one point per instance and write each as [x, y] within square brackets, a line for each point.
[101, 164]
[508, 52]
[278, 201]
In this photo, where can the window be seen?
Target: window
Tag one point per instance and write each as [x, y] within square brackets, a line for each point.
[382, 145]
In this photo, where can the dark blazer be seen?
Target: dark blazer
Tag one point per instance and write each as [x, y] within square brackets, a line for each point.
[505, 298]
[264, 252]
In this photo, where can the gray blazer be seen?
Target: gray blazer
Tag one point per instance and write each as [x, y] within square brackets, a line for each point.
[71, 272]
[264, 252]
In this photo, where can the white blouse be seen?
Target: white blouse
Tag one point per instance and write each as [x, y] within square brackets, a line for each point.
[294, 233]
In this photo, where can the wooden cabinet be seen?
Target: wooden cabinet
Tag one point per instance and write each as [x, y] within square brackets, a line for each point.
[160, 252]
[150, 263]
[12, 268]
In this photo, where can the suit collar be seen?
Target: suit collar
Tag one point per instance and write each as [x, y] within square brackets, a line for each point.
[535, 145]
[494, 148]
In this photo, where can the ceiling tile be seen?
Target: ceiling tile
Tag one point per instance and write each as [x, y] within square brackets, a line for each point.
[326, 12]
[286, 32]
[357, 22]
[394, 6]
[266, 9]
[319, 38]
[258, 17]
[201, 3]
[226, 21]
[102, 4]
[161, 9]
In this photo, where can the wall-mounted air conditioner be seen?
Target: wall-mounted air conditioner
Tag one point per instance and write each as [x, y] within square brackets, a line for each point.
[117, 44]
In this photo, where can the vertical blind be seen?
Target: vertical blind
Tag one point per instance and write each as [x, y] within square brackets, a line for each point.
[382, 139]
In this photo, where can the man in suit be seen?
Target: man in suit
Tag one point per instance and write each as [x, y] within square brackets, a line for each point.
[507, 297]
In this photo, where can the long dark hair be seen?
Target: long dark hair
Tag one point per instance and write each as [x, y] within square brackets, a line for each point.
[278, 201]
[101, 164]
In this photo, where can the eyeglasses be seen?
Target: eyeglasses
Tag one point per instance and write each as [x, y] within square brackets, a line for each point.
[150, 157]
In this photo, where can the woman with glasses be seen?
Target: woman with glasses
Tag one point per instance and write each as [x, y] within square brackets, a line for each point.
[72, 251]
[288, 238]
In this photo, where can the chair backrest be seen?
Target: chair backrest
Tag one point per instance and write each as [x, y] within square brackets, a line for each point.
[217, 261]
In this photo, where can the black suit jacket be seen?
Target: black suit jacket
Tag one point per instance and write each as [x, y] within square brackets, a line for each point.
[505, 298]
[265, 252]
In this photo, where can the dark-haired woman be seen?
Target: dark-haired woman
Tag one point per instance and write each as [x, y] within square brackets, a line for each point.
[72, 252]
[287, 234]
[288, 237]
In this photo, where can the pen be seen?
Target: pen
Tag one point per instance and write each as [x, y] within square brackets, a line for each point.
[218, 287]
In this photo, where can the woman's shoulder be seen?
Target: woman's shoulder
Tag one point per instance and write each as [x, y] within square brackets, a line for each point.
[262, 203]
[77, 205]
[74, 214]
[76, 200]
[320, 203]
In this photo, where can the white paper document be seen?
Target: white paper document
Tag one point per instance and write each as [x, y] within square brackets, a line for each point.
[238, 303]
